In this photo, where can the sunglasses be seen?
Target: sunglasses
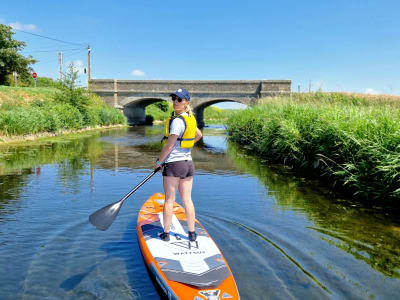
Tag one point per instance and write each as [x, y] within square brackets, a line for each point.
[176, 98]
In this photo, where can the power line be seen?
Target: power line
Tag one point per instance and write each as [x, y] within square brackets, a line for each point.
[72, 54]
[54, 50]
[55, 59]
[49, 38]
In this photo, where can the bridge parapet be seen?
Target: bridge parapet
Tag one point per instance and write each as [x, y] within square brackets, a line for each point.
[134, 95]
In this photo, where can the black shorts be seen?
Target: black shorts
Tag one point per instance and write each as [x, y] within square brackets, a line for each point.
[181, 169]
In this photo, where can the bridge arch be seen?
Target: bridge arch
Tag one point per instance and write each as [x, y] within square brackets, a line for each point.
[135, 109]
[199, 109]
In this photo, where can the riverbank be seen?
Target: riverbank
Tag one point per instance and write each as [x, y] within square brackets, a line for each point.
[349, 141]
[33, 137]
[29, 113]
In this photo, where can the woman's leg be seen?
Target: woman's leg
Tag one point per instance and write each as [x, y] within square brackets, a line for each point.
[185, 191]
[170, 187]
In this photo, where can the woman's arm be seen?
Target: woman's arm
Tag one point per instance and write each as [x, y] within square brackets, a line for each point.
[198, 135]
[167, 148]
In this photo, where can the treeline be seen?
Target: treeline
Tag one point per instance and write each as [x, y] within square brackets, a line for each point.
[351, 141]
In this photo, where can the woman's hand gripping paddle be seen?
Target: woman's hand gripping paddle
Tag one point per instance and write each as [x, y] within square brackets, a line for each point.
[104, 217]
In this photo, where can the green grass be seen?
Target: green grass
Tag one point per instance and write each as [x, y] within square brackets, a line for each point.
[216, 115]
[350, 141]
[35, 110]
[17, 96]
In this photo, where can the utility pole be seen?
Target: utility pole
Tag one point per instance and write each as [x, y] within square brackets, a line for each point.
[88, 49]
[60, 62]
[15, 75]
[309, 86]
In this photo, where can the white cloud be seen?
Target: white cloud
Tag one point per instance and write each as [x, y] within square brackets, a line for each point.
[137, 72]
[372, 91]
[19, 26]
[78, 66]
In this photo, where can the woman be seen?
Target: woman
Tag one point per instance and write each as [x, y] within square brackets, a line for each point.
[180, 134]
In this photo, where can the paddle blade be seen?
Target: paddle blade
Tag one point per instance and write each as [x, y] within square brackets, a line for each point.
[104, 217]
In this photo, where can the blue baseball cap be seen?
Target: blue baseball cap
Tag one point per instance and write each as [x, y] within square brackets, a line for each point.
[182, 93]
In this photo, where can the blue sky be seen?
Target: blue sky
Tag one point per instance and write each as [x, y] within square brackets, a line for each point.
[351, 46]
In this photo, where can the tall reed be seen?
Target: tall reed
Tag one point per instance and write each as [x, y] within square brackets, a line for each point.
[350, 141]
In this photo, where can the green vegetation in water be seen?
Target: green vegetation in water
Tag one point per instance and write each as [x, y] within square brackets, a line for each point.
[36, 110]
[350, 141]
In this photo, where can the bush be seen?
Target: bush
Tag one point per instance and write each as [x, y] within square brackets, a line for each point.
[156, 113]
[73, 95]
[70, 117]
[162, 105]
[47, 82]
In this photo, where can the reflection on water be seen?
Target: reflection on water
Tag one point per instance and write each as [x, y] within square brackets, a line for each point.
[369, 234]
[283, 236]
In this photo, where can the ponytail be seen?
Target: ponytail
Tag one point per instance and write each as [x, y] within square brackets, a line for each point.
[188, 109]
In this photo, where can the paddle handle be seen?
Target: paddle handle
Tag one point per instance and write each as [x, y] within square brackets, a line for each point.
[141, 183]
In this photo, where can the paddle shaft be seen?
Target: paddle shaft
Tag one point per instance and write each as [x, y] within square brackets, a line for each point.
[104, 217]
[140, 184]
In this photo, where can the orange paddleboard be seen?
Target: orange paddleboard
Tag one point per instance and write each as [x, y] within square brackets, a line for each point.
[183, 269]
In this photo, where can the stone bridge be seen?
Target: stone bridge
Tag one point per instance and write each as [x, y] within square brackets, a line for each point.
[132, 96]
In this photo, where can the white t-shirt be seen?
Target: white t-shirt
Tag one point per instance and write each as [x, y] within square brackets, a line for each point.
[178, 153]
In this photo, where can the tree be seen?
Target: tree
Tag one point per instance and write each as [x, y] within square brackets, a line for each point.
[163, 105]
[71, 93]
[10, 59]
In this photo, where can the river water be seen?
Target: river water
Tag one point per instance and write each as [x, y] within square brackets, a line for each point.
[284, 237]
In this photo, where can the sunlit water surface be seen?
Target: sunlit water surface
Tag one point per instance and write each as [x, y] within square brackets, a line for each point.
[284, 237]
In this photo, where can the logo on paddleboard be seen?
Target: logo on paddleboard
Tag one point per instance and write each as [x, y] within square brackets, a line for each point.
[187, 244]
[211, 294]
[226, 296]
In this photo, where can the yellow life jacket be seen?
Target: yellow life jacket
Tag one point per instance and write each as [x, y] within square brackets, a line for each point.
[187, 139]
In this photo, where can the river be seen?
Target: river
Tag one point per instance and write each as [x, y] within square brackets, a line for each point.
[284, 237]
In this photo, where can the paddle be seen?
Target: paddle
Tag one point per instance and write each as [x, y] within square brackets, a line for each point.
[104, 217]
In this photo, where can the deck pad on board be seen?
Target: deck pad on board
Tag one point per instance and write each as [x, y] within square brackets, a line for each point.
[197, 263]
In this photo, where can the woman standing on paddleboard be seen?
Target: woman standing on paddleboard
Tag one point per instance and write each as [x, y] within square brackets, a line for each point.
[180, 135]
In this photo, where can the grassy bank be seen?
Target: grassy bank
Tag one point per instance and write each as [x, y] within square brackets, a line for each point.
[37, 110]
[350, 141]
[216, 115]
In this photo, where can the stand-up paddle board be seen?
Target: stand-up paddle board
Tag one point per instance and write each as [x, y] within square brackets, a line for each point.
[183, 269]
